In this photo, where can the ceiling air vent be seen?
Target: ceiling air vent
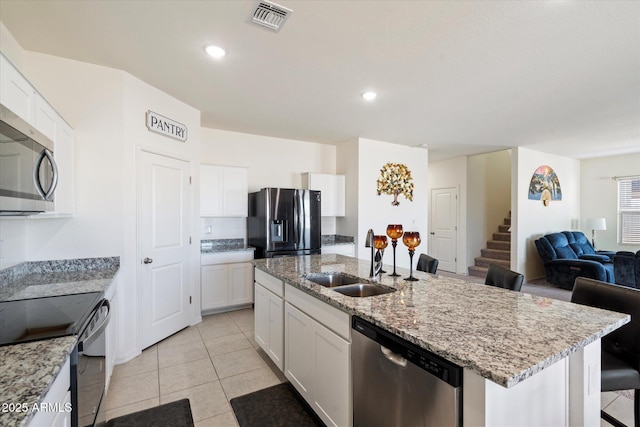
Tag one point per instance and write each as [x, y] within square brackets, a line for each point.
[270, 15]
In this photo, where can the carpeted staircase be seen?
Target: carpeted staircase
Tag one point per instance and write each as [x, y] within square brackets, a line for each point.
[498, 251]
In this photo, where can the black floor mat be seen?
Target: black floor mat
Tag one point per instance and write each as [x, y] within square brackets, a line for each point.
[174, 414]
[277, 406]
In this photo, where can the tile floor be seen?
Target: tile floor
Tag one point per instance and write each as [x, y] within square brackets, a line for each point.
[209, 363]
[215, 361]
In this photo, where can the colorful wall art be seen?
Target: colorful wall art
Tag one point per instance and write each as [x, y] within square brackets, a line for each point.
[545, 185]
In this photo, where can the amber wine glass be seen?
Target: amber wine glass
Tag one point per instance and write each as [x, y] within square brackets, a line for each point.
[411, 240]
[380, 243]
[394, 231]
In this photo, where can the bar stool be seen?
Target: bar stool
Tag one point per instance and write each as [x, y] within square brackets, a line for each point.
[503, 278]
[620, 352]
[427, 263]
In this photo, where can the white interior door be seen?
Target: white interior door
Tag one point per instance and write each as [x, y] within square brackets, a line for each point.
[444, 227]
[163, 247]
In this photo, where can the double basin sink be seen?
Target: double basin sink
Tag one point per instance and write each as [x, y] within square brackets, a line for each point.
[348, 285]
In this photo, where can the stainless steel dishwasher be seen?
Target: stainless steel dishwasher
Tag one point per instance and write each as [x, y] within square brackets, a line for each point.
[396, 383]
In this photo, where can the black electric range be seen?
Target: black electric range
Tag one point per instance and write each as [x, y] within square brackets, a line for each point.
[43, 318]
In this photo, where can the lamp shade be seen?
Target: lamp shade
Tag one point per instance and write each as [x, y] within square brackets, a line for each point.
[597, 224]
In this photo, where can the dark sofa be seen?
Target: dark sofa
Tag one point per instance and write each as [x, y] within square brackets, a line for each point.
[626, 267]
[569, 254]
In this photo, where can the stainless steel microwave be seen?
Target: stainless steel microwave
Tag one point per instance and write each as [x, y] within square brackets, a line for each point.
[28, 172]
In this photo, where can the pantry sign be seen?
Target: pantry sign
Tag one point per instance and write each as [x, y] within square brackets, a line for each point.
[165, 126]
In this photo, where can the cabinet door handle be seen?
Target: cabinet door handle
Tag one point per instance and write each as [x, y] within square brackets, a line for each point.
[147, 260]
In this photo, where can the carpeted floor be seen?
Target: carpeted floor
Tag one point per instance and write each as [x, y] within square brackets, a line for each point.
[174, 414]
[277, 406]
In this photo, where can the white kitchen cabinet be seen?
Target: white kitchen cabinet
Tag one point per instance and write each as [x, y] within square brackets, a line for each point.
[318, 355]
[317, 362]
[226, 280]
[226, 285]
[269, 324]
[332, 188]
[223, 191]
[269, 316]
[332, 376]
[59, 397]
[45, 117]
[21, 97]
[16, 93]
[298, 350]
[215, 286]
[64, 197]
[241, 283]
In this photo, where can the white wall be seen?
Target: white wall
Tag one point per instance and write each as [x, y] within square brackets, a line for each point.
[13, 244]
[139, 97]
[376, 212]
[600, 196]
[489, 198]
[272, 162]
[347, 165]
[106, 108]
[453, 174]
[95, 113]
[530, 218]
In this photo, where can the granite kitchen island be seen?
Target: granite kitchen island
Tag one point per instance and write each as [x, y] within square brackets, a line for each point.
[527, 360]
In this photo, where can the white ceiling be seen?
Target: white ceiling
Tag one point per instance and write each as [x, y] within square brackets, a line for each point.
[464, 77]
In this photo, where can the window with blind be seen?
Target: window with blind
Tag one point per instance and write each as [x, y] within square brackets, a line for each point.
[629, 211]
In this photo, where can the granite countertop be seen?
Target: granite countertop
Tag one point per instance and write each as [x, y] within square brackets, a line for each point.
[27, 375]
[223, 245]
[501, 335]
[37, 279]
[336, 239]
[28, 370]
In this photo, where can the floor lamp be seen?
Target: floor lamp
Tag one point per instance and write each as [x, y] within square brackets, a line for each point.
[596, 224]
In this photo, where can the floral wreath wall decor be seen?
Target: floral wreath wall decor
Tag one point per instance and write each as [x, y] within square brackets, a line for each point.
[395, 179]
[545, 185]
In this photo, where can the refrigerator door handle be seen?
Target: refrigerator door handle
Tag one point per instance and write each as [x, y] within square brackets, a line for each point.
[296, 219]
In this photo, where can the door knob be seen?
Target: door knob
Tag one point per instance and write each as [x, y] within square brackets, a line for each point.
[147, 260]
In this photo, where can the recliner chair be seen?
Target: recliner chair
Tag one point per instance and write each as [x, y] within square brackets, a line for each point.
[626, 266]
[582, 247]
[562, 264]
[620, 350]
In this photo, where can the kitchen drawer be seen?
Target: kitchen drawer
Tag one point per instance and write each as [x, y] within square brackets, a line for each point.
[331, 317]
[225, 257]
[271, 283]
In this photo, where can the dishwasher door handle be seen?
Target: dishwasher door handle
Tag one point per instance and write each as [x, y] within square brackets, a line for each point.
[393, 357]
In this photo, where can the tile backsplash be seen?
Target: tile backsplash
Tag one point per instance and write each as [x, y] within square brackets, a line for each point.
[223, 228]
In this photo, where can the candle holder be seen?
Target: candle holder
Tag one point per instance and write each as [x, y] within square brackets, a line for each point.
[380, 243]
[394, 231]
[411, 240]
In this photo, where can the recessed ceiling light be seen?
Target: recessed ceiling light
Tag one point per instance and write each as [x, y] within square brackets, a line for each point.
[369, 96]
[215, 51]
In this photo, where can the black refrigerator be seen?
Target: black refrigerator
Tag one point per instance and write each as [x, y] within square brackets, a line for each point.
[284, 221]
